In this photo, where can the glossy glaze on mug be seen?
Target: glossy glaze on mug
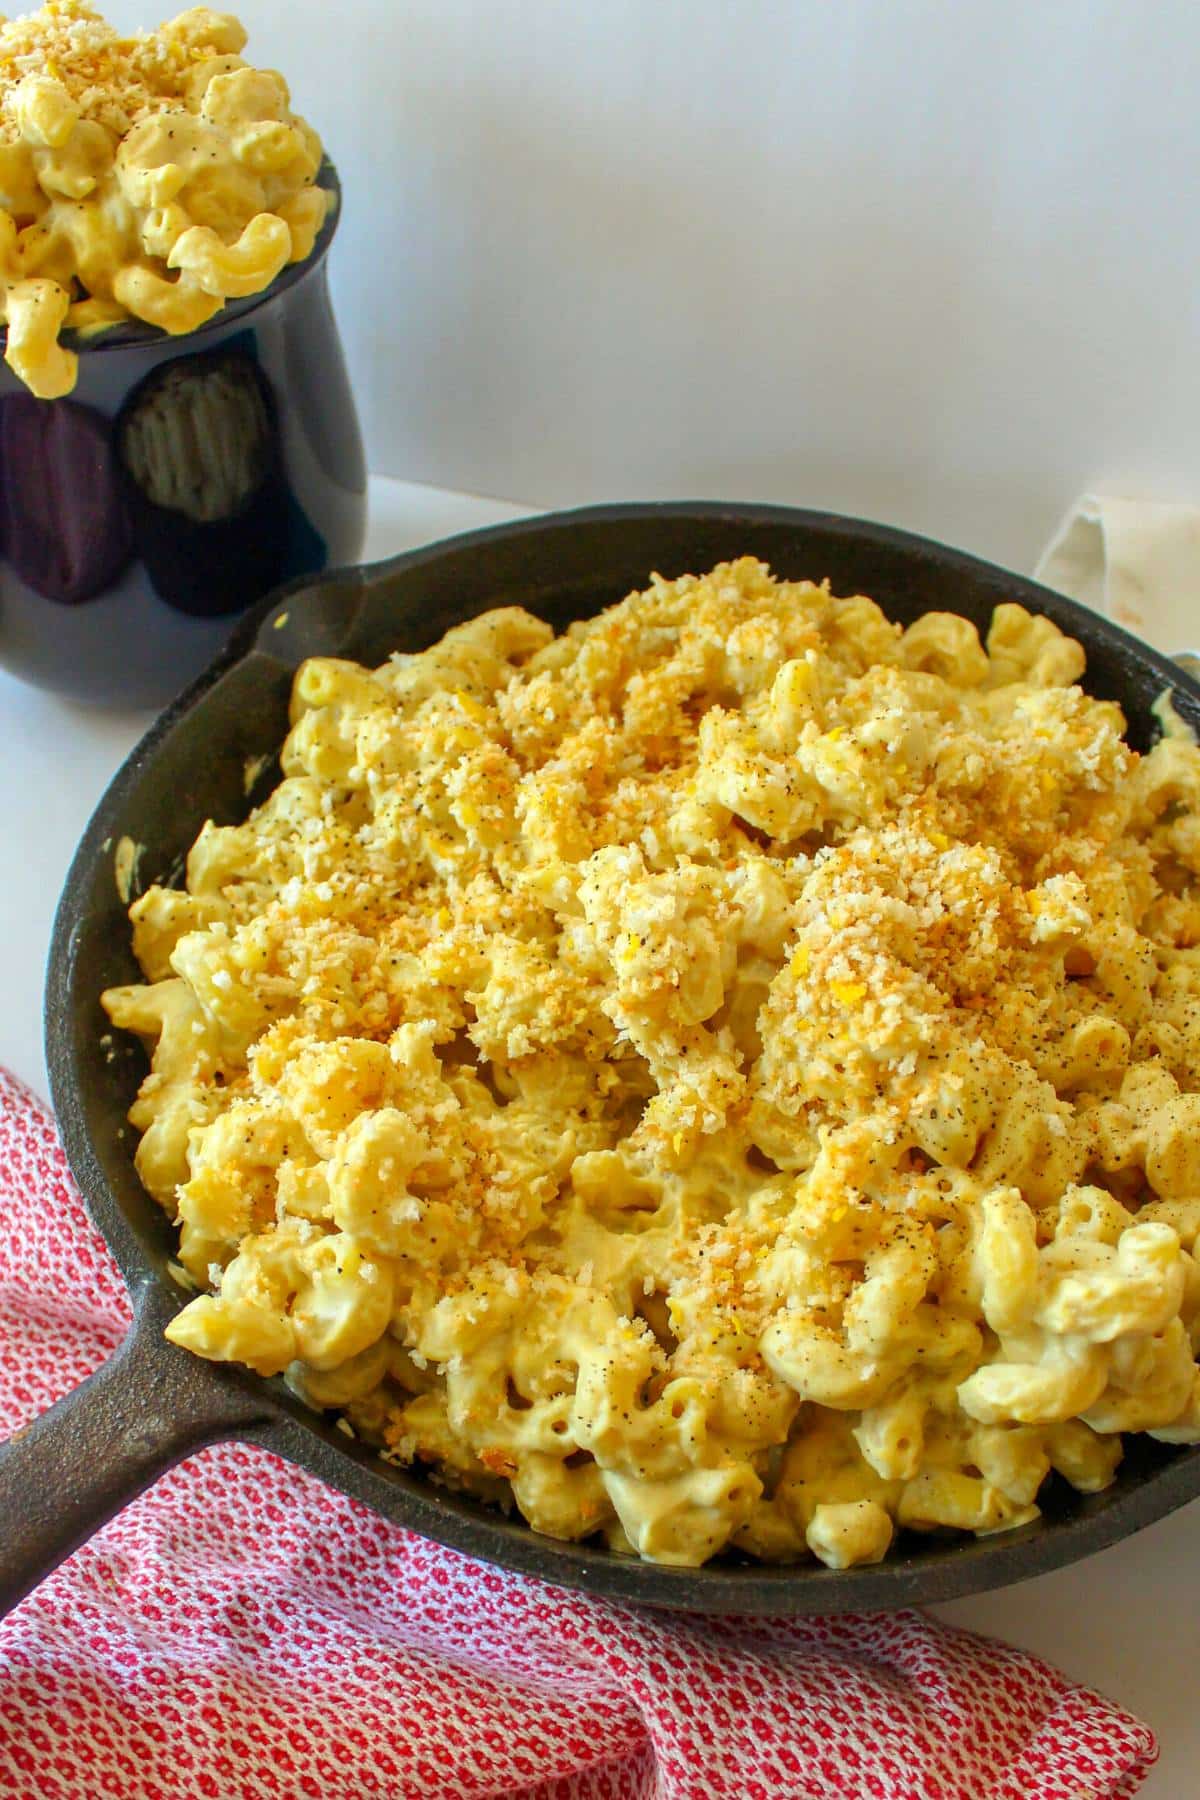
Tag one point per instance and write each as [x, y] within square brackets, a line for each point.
[181, 481]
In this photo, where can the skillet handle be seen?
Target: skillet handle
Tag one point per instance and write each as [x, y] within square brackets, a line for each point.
[67, 1473]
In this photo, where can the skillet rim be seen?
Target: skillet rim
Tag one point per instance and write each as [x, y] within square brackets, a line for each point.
[935, 1573]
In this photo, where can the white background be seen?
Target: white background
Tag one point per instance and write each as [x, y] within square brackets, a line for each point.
[929, 261]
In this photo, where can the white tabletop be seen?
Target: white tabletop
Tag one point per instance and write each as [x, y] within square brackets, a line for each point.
[1124, 1621]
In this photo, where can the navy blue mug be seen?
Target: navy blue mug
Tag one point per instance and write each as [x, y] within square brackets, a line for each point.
[183, 479]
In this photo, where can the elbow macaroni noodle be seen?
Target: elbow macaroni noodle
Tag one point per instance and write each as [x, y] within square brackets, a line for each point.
[724, 1076]
[151, 177]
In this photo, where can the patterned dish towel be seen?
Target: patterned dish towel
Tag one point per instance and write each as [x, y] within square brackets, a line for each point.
[242, 1632]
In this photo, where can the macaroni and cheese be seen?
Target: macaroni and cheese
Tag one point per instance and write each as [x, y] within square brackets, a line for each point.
[726, 1075]
[151, 177]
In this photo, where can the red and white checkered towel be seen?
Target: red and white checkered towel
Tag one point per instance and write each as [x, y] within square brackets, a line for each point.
[242, 1631]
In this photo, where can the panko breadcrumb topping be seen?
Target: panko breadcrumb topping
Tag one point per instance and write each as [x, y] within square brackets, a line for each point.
[112, 79]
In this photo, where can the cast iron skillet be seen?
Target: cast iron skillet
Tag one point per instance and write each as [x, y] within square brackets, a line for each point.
[153, 1404]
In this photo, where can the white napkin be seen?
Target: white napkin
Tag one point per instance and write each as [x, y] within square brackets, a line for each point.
[1136, 560]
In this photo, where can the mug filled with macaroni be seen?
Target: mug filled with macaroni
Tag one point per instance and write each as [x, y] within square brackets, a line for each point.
[164, 215]
[725, 1078]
